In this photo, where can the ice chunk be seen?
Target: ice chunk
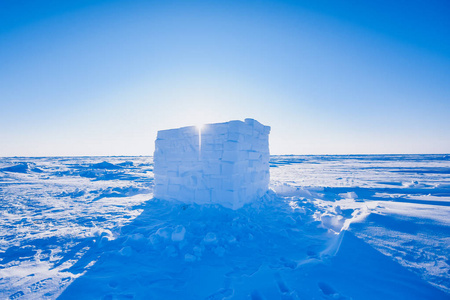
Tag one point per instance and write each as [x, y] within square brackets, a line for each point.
[189, 258]
[210, 238]
[178, 233]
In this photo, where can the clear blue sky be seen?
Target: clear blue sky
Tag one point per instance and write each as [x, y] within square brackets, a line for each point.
[330, 77]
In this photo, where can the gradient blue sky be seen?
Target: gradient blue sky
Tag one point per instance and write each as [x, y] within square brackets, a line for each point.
[330, 77]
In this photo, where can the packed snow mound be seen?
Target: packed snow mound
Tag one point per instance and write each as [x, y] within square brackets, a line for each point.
[272, 249]
[224, 163]
[126, 164]
[105, 165]
[23, 167]
[191, 251]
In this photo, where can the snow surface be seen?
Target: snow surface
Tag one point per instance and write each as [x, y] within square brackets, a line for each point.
[332, 227]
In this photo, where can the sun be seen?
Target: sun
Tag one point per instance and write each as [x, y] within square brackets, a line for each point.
[200, 126]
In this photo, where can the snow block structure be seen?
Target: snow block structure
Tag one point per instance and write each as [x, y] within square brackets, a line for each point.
[224, 163]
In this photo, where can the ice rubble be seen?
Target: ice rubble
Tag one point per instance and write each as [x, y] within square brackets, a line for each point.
[225, 163]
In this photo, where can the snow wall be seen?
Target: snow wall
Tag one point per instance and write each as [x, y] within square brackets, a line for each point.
[224, 163]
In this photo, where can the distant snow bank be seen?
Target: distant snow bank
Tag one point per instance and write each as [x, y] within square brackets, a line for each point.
[22, 167]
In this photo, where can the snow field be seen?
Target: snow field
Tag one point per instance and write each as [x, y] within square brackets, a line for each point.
[333, 227]
[50, 219]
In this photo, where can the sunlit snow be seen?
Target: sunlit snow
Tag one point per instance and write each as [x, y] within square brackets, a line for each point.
[331, 227]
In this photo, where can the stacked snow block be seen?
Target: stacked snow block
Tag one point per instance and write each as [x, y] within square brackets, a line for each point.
[224, 163]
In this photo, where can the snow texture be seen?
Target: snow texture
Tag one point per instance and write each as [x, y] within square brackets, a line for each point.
[355, 227]
[224, 163]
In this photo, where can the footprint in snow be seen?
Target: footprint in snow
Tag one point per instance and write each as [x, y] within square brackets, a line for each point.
[16, 295]
[330, 293]
[118, 296]
[286, 292]
[288, 263]
[257, 296]
[38, 285]
[220, 294]
[113, 283]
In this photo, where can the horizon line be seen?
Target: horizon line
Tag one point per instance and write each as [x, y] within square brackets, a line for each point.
[348, 154]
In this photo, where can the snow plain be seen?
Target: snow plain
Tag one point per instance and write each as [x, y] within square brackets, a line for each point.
[332, 227]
